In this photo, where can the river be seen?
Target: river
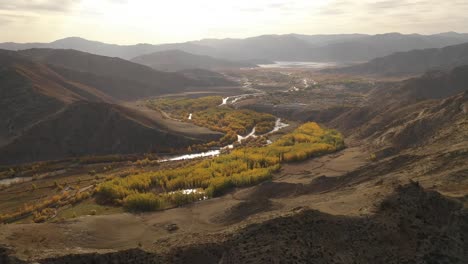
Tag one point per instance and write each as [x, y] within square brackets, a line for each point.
[15, 180]
[231, 100]
[212, 153]
[247, 86]
[300, 64]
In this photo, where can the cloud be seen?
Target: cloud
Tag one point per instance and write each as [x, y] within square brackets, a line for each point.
[338, 7]
[421, 5]
[38, 5]
[276, 6]
[389, 4]
[5, 21]
[253, 9]
[118, 1]
[401, 6]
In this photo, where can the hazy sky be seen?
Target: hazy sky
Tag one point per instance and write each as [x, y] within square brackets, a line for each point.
[160, 21]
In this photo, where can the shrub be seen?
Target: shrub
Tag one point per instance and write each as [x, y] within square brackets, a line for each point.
[44, 215]
[143, 202]
[241, 167]
[112, 190]
[180, 198]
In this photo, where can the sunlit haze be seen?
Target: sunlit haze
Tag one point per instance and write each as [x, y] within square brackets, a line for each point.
[156, 21]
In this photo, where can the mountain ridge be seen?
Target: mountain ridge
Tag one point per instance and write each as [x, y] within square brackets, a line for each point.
[338, 47]
[146, 82]
[412, 62]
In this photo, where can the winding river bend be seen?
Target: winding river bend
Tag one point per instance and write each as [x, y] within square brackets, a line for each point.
[248, 87]
[15, 180]
[212, 153]
[232, 100]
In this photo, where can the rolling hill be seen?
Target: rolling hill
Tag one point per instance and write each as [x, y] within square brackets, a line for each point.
[210, 78]
[48, 116]
[90, 128]
[177, 60]
[144, 80]
[114, 75]
[413, 62]
[419, 112]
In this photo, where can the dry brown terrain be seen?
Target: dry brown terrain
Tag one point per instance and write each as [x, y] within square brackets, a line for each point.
[123, 231]
[359, 205]
[345, 183]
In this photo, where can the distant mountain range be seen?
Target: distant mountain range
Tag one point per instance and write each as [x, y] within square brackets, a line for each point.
[145, 81]
[65, 103]
[292, 47]
[177, 60]
[412, 62]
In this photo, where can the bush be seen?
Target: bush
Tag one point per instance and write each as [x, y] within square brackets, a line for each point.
[241, 167]
[180, 198]
[44, 215]
[206, 113]
[143, 202]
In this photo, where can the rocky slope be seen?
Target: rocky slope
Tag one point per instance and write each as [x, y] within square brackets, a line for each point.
[85, 128]
[410, 113]
[104, 72]
[410, 226]
[51, 115]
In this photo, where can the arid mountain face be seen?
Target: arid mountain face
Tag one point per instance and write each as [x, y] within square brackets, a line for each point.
[92, 69]
[406, 113]
[176, 60]
[393, 234]
[413, 62]
[412, 225]
[416, 129]
[64, 110]
[293, 47]
[86, 128]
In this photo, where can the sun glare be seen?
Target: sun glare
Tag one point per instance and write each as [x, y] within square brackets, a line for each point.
[180, 20]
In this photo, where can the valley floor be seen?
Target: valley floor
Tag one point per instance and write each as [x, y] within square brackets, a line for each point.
[215, 216]
[348, 188]
[345, 183]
